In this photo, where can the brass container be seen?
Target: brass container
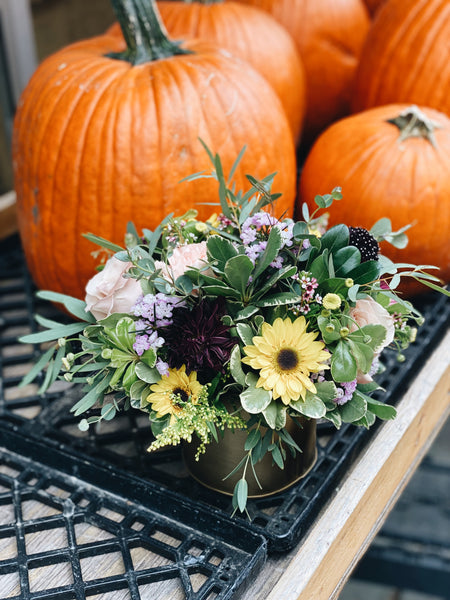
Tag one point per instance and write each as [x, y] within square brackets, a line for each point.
[222, 457]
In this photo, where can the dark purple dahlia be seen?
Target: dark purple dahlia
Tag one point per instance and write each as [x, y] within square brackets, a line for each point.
[198, 339]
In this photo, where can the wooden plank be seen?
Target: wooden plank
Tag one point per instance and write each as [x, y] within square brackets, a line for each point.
[322, 563]
[8, 217]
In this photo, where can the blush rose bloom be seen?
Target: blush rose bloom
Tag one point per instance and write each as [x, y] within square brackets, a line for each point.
[368, 312]
[109, 292]
[190, 255]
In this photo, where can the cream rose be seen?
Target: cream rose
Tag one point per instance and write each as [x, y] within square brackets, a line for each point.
[183, 257]
[110, 292]
[368, 312]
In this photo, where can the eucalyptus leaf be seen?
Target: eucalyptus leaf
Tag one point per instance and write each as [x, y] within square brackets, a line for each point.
[240, 494]
[75, 306]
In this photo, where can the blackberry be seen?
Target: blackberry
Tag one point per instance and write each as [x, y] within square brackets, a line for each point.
[365, 242]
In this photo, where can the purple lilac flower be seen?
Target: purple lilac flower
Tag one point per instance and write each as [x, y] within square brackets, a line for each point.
[345, 392]
[162, 367]
[156, 310]
[254, 234]
[146, 341]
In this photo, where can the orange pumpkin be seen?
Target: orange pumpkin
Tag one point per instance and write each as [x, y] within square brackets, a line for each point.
[406, 56]
[397, 170]
[329, 35]
[373, 5]
[251, 35]
[105, 131]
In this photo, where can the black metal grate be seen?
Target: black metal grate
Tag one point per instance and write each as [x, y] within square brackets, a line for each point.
[122, 443]
[54, 524]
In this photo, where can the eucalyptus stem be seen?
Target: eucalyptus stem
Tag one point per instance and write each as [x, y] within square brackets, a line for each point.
[144, 32]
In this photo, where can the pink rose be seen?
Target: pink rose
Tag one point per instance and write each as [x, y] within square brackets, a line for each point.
[368, 312]
[190, 255]
[109, 292]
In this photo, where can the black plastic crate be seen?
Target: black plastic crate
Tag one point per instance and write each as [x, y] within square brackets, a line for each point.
[65, 516]
[121, 443]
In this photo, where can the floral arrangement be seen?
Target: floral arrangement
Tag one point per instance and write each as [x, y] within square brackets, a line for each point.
[235, 322]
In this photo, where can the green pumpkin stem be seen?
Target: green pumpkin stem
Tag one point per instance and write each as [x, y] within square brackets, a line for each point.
[412, 122]
[144, 32]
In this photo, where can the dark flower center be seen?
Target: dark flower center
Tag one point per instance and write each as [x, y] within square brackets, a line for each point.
[287, 359]
[180, 393]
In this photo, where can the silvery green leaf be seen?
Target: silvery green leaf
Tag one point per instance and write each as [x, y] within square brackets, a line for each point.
[146, 373]
[52, 334]
[275, 415]
[75, 306]
[95, 393]
[381, 228]
[254, 400]
[236, 366]
[251, 379]
[241, 494]
[108, 411]
[312, 407]
[353, 293]
[38, 367]
[279, 299]
[326, 390]
[245, 332]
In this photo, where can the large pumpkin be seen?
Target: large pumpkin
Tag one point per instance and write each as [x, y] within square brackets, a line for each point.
[329, 35]
[102, 139]
[373, 5]
[406, 57]
[249, 34]
[399, 170]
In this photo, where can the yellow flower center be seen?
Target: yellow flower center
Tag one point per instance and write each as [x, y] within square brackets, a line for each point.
[287, 359]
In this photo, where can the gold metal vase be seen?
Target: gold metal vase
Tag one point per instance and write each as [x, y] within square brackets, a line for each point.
[221, 458]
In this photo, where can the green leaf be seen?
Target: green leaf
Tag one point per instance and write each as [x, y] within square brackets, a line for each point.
[254, 400]
[279, 300]
[319, 267]
[371, 335]
[354, 409]
[277, 458]
[381, 410]
[53, 334]
[149, 357]
[326, 390]
[146, 373]
[95, 393]
[343, 363]
[83, 425]
[75, 306]
[241, 494]
[381, 228]
[236, 366]
[334, 417]
[220, 250]
[345, 260]
[312, 406]
[108, 412]
[253, 437]
[335, 238]
[366, 272]
[136, 390]
[363, 355]
[246, 313]
[245, 332]
[275, 415]
[237, 272]
[220, 290]
[38, 367]
[235, 164]
[274, 243]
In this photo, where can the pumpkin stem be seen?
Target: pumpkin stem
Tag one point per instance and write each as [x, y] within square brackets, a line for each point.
[412, 122]
[144, 32]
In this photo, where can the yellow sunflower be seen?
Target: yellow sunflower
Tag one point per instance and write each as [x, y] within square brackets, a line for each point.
[177, 383]
[285, 355]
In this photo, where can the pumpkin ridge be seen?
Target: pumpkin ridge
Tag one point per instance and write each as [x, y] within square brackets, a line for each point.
[46, 202]
[68, 257]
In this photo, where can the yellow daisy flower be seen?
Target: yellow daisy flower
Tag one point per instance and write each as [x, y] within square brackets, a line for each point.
[285, 355]
[177, 383]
